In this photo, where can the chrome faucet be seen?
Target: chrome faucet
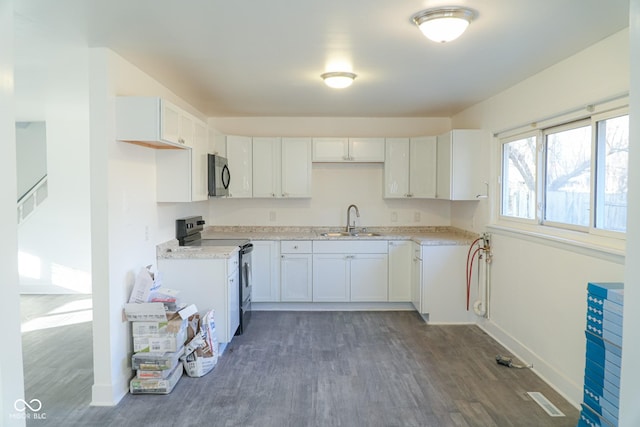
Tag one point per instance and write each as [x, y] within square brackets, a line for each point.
[350, 228]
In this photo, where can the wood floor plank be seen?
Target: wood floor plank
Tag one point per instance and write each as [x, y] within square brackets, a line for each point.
[309, 369]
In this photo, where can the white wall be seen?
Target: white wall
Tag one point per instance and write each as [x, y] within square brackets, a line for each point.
[629, 388]
[31, 154]
[334, 186]
[124, 212]
[11, 376]
[538, 290]
[53, 86]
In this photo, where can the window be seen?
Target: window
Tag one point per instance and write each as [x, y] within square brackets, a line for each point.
[570, 176]
[519, 178]
[612, 171]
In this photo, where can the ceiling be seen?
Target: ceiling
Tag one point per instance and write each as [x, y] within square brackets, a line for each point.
[264, 58]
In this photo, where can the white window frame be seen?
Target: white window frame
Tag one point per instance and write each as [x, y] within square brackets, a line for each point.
[612, 242]
[594, 123]
[542, 169]
[530, 221]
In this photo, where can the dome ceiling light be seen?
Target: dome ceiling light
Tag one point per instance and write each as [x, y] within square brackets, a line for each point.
[338, 79]
[444, 24]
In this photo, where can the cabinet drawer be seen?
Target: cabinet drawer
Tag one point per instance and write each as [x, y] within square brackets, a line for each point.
[295, 246]
[350, 247]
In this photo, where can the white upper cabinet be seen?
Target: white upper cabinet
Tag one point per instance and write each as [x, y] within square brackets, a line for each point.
[366, 149]
[240, 161]
[181, 175]
[153, 122]
[410, 167]
[296, 167]
[348, 149]
[281, 167]
[199, 168]
[460, 165]
[267, 163]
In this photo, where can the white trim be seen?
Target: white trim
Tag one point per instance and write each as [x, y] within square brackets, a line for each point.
[554, 378]
[612, 250]
[331, 306]
[582, 112]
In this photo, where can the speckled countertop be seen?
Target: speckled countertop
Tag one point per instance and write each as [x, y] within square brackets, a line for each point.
[422, 235]
[171, 250]
[434, 236]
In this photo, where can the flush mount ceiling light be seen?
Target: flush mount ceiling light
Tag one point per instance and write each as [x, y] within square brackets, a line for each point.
[444, 24]
[338, 79]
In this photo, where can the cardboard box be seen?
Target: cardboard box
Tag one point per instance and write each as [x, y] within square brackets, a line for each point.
[155, 361]
[157, 374]
[155, 328]
[156, 386]
[155, 312]
[160, 343]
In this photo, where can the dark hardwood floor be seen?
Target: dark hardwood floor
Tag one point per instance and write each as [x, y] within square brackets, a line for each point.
[308, 369]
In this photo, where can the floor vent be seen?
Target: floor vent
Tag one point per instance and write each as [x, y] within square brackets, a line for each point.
[544, 403]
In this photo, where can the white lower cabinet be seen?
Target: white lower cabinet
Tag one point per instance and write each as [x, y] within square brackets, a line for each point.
[210, 284]
[400, 267]
[330, 278]
[295, 271]
[350, 271]
[416, 277]
[443, 273]
[369, 277]
[265, 273]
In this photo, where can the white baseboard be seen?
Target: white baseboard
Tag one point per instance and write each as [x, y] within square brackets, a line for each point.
[108, 394]
[557, 380]
[331, 306]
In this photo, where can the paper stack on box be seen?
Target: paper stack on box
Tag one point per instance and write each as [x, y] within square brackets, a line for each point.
[159, 331]
[201, 352]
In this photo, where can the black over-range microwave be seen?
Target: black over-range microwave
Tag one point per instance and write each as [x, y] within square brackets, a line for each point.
[219, 176]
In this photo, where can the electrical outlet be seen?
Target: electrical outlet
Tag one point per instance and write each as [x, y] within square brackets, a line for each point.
[394, 216]
[272, 216]
[416, 216]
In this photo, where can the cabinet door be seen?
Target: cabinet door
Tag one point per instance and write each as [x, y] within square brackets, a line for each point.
[233, 309]
[265, 272]
[416, 278]
[240, 161]
[396, 168]
[443, 284]
[467, 164]
[400, 267]
[422, 167]
[366, 149]
[369, 277]
[331, 278]
[187, 129]
[295, 270]
[266, 167]
[199, 169]
[330, 149]
[443, 181]
[296, 167]
[170, 122]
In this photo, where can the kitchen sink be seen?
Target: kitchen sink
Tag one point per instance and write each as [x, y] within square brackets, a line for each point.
[347, 234]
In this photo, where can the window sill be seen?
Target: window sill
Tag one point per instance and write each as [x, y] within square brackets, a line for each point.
[606, 248]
